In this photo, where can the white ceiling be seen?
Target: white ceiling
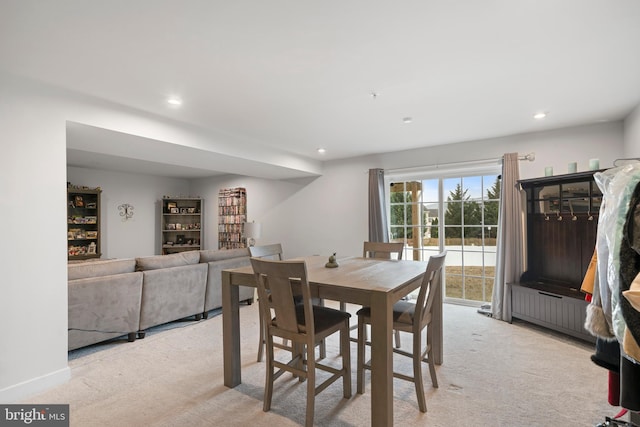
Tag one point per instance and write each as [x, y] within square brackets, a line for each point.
[298, 75]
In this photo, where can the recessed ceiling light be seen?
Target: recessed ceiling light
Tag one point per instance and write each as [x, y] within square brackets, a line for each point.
[174, 101]
[540, 115]
[321, 150]
[407, 120]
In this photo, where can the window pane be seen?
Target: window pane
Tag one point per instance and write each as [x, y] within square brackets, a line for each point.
[473, 236]
[473, 240]
[449, 187]
[454, 283]
[453, 213]
[490, 212]
[413, 237]
[472, 215]
[453, 235]
[397, 215]
[396, 192]
[430, 191]
[491, 185]
[490, 238]
[473, 187]
[397, 233]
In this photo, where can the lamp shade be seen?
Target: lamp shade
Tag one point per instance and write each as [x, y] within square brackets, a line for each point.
[252, 230]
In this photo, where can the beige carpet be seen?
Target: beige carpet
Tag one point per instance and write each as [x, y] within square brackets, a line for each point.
[494, 374]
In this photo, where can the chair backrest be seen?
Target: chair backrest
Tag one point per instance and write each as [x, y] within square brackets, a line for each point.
[431, 282]
[382, 250]
[283, 280]
[273, 251]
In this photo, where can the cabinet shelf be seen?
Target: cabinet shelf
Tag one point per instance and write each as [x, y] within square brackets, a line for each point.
[181, 224]
[83, 223]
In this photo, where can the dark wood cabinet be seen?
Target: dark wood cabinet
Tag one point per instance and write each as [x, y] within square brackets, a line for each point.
[83, 222]
[561, 227]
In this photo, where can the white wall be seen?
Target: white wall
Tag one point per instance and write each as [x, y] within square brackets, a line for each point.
[140, 235]
[33, 292]
[632, 134]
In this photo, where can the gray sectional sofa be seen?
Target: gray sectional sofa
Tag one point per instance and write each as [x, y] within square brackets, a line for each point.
[113, 298]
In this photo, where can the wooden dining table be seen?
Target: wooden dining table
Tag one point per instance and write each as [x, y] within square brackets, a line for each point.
[364, 281]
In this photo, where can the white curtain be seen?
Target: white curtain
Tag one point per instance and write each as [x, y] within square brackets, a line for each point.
[378, 230]
[510, 241]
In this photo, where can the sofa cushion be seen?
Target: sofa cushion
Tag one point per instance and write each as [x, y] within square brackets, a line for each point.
[100, 268]
[167, 261]
[172, 293]
[217, 255]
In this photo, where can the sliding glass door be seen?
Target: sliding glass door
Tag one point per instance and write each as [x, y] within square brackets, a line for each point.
[458, 214]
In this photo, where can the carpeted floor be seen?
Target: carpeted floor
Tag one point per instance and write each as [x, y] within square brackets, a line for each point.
[494, 374]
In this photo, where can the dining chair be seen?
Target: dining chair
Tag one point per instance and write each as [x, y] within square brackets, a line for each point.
[411, 318]
[380, 250]
[305, 325]
[274, 252]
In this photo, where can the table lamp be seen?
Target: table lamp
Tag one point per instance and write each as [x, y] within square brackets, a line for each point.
[252, 231]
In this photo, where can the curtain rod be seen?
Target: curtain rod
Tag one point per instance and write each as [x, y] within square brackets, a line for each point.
[530, 157]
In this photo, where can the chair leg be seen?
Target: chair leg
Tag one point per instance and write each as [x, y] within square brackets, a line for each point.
[345, 351]
[432, 364]
[268, 385]
[311, 385]
[417, 372]
[323, 350]
[261, 343]
[360, 356]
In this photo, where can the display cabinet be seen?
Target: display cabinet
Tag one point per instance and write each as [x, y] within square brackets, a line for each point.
[232, 214]
[181, 224]
[562, 221]
[83, 222]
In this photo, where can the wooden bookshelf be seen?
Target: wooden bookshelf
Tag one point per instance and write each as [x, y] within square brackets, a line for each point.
[232, 214]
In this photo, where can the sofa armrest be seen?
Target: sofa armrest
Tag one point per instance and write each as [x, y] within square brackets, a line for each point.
[105, 307]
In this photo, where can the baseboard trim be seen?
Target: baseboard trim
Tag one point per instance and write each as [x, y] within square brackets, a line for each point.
[22, 391]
